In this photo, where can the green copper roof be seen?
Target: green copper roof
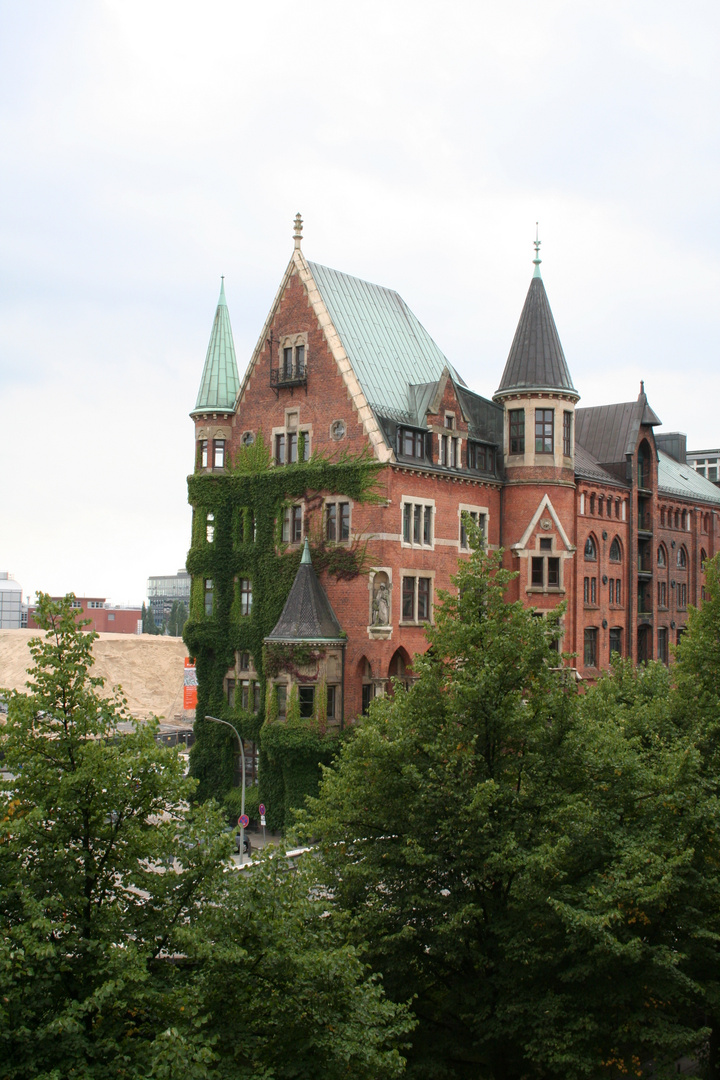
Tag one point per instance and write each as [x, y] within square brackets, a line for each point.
[220, 382]
[386, 345]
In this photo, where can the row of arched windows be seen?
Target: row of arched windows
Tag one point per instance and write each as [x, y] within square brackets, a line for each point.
[591, 550]
[681, 557]
[674, 518]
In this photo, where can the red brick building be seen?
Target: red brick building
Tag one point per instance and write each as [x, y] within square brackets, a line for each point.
[590, 506]
[104, 618]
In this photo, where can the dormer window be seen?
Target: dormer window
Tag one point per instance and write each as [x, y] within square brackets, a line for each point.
[291, 367]
[450, 421]
[448, 452]
[480, 457]
[411, 443]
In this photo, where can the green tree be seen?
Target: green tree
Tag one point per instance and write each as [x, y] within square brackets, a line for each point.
[112, 945]
[177, 618]
[502, 851]
[148, 622]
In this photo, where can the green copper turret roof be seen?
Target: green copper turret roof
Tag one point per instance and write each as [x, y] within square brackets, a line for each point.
[220, 381]
[308, 614]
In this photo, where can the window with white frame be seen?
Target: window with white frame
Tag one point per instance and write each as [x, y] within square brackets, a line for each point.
[417, 523]
[478, 515]
[337, 521]
[449, 452]
[292, 525]
[416, 599]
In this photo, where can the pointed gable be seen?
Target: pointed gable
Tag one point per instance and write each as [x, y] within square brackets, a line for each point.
[536, 360]
[610, 432]
[220, 381]
[307, 615]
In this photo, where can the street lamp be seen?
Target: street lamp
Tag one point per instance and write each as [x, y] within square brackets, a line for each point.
[242, 787]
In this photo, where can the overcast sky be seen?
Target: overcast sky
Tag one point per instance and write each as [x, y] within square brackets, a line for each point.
[149, 146]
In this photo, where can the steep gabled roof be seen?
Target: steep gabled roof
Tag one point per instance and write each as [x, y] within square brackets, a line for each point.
[587, 468]
[680, 480]
[536, 360]
[307, 615]
[610, 432]
[388, 347]
[220, 382]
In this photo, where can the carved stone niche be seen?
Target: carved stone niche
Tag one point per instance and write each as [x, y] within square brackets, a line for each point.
[380, 598]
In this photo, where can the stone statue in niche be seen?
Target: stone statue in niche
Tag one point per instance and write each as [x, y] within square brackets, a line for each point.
[381, 605]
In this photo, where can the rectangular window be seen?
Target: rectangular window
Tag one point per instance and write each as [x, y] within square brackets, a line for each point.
[590, 647]
[411, 443]
[306, 696]
[245, 596]
[567, 434]
[417, 527]
[453, 462]
[517, 431]
[245, 693]
[479, 520]
[287, 363]
[442, 450]
[586, 590]
[449, 421]
[367, 696]
[662, 644]
[218, 453]
[612, 590]
[423, 605]
[203, 453]
[544, 419]
[292, 447]
[279, 449]
[537, 572]
[281, 689]
[593, 590]
[618, 591]
[408, 598]
[545, 543]
[662, 594]
[616, 640]
[244, 661]
[682, 596]
[208, 596]
[292, 525]
[344, 515]
[256, 697]
[553, 576]
[331, 521]
[300, 361]
[480, 457]
[305, 456]
[332, 702]
[230, 693]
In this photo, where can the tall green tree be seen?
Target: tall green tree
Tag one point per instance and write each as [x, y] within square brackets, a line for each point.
[127, 948]
[502, 851]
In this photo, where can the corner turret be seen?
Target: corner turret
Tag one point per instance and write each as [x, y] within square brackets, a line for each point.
[219, 386]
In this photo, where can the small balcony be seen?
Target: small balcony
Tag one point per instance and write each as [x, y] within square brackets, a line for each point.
[288, 377]
[644, 522]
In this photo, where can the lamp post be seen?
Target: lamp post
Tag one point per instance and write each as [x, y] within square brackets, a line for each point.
[242, 784]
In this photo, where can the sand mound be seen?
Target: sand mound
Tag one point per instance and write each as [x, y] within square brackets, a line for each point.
[149, 669]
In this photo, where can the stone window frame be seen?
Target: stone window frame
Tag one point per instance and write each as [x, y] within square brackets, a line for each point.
[416, 574]
[417, 500]
[471, 508]
[292, 341]
[337, 502]
[290, 428]
[207, 436]
[286, 510]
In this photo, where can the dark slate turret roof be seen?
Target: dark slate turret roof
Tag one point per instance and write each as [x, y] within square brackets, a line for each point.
[536, 360]
[307, 615]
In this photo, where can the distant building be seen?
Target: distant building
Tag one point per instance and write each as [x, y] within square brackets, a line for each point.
[104, 618]
[706, 462]
[164, 590]
[11, 605]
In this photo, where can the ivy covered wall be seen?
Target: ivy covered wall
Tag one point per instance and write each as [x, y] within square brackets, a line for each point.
[244, 541]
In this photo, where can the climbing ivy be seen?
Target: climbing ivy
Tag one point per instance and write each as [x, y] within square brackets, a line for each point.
[242, 540]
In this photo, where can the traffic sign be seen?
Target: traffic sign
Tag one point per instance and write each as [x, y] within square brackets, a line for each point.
[261, 808]
[244, 821]
[262, 820]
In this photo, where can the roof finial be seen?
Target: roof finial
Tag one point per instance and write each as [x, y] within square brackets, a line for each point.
[298, 231]
[222, 290]
[306, 558]
[537, 260]
[642, 386]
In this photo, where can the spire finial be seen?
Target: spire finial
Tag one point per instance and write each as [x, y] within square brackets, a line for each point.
[297, 235]
[222, 290]
[537, 260]
[306, 553]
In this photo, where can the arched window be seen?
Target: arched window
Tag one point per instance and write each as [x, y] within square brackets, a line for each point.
[703, 558]
[662, 516]
[684, 519]
[677, 519]
[592, 504]
[662, 556]
[601, 504]
[682, 558]
[617, 508]
[644, 464]
[615, 551]
[590, 549]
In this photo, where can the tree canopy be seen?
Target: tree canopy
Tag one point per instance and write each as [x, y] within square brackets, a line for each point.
[527, 862]
[128, 947]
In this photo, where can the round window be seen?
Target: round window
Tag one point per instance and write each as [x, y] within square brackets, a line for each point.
[338, 429]
[248, 438]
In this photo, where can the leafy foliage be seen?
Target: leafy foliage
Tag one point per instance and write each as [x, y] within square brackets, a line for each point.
[247, 505]
[128, 950]
[523, 862]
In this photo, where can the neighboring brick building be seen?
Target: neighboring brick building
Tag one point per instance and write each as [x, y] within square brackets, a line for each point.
[104, 618]
[589, 506]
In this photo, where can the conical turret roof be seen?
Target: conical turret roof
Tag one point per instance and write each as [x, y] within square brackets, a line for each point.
[220, 381]
[536, 360]
[307, 615]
